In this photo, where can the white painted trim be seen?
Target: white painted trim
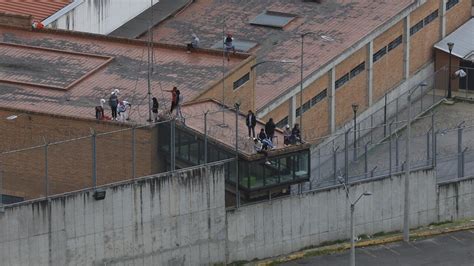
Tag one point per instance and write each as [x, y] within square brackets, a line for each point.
[337, 60]
[61, 12]
[442, 21]
[370, 71]
[406, 48]
[332, 99]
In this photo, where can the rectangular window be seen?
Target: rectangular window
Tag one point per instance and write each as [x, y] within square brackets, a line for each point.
[241, 81]
[342, 81]
[451, 3]
[298, 110]
[416, 28]
[358, 69]
[393, 44]
[379, 54]
[282, 123]
[306, 106]
[316, 99]
[431, 17]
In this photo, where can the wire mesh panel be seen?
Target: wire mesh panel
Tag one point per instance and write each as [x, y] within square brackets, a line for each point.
[70, 165]
[23, 173]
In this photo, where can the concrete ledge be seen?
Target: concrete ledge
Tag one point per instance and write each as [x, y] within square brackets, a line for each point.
[419, 233]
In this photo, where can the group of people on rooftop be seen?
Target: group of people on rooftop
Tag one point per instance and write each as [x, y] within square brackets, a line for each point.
[119, 108]
[264, 141]
[228, 44]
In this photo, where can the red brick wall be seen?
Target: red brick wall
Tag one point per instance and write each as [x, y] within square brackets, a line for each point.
[70, 163]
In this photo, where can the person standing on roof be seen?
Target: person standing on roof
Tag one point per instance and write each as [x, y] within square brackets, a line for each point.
[270, 129]
[174, 98]
[113, 103]
[154, 109]
[194, 43]
[179, 101]
[251, 122]
[287, 135]
[229, 45]
[99, 110]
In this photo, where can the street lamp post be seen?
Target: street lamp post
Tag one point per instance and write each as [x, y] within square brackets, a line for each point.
[450, 47]
[353, 204]
[355, 107]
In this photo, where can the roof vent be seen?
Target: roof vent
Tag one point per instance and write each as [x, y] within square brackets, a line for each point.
[273, 19]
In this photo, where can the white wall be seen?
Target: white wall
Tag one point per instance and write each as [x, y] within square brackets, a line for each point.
[100, 16]
[165, 220]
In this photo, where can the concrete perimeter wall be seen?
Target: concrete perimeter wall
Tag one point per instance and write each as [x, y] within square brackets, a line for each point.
[289, 224]
[456, 199]
[162, 220]
[181, 220]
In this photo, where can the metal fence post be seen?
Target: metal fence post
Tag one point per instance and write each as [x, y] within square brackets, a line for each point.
[94, 158]
[460, 129]
[237, 192]
[366, 162]
[46, 178]
[372, 126]
[1, 184]
[435, 139]
[462, 161]
[396, 109]
[428, 152]
[319, 164]
[173, 145]
[134, 155]
[384, 119]
[334, 163]
[390, 149]
[397, 156]
[205, 136]
[346, 156]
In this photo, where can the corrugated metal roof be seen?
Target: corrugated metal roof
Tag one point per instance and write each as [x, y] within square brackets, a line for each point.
[463, 39]
[39, 9]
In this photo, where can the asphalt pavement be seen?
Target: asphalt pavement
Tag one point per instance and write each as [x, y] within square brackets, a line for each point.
[455, 249]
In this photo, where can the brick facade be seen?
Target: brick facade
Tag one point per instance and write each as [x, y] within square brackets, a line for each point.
[70, 163]
[354, 91]
[388, 70]
[243, 94]
[458, 15]
[422, 42]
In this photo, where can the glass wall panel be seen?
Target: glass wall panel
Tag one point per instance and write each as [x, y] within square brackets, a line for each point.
[244, 174]
[256, 175]
[302, 166]
[272, 176]
[286, 169]
[194, 153]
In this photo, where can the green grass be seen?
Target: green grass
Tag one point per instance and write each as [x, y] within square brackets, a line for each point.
[382, 233]
[440, 223]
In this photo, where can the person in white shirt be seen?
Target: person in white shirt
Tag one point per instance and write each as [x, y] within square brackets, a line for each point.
[194, 43]
[261, 148]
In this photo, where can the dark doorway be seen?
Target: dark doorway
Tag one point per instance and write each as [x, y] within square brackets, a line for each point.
[468, 81]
